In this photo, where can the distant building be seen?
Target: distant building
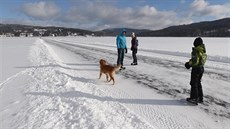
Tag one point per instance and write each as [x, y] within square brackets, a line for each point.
[23, 35]
[17, 30]
[30, 34]
[7, 35]
[40, 31]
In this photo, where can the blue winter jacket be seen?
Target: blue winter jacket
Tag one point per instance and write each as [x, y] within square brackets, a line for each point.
[121, 41]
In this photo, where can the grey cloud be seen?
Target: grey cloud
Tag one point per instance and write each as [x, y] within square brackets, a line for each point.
[203, 8]
[145, 17]
[97, 15]
[41, 10]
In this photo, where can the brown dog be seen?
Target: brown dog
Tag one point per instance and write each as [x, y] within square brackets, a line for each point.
[108, 70]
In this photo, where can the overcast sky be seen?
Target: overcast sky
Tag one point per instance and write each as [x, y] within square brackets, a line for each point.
[102, 14]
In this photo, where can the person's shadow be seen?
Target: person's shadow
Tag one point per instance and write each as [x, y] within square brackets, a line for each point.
[69, 68]
[79, 94]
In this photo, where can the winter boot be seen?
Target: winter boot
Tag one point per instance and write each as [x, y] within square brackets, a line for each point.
[200, 100]
[192, 100]
[133, 63]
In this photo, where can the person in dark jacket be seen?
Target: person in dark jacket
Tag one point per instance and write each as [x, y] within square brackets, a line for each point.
[134, 44]
[197, 62]
[121, 47]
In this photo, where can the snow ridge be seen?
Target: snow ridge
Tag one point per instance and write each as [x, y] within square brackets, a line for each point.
[60, 100]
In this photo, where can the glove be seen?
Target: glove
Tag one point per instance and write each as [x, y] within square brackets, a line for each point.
[126, 50]
[187, 65]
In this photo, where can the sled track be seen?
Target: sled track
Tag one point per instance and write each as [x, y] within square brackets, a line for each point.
[151, 81]
[179, 54]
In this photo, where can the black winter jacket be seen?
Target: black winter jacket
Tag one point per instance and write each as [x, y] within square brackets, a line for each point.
[134, 43]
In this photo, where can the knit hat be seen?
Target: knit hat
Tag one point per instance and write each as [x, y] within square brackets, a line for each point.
[198, 41]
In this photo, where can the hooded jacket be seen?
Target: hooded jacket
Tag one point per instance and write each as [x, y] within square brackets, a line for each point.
[121, 40]
[199, 56]
[134, 43]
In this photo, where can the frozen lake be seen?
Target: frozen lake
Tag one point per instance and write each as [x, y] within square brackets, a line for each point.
[13, 55]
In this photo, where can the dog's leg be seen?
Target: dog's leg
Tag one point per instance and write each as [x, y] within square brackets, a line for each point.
[113, 80]
[100, 75]
[107, 77]
[112, 77]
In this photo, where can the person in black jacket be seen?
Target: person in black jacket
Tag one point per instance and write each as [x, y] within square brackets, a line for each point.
[134, 44]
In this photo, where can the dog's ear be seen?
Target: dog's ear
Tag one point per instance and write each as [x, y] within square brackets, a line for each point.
[102, 61]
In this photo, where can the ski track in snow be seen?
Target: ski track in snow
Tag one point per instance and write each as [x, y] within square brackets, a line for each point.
[60, 95]
[178, 54]
[223, 74]
[10, 78]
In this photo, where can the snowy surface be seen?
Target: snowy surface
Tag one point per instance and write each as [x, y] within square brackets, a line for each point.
[53, 83]
[13, 54]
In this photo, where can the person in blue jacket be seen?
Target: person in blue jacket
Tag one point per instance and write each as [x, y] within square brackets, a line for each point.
[121, 47]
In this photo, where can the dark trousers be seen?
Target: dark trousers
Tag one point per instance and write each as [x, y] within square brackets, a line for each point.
[196, 87]
[134, 54]
[121, 54]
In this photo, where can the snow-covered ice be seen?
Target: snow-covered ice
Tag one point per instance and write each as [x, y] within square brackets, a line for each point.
[53, 83]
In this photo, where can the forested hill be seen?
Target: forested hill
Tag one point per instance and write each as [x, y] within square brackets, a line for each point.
[218, 28]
